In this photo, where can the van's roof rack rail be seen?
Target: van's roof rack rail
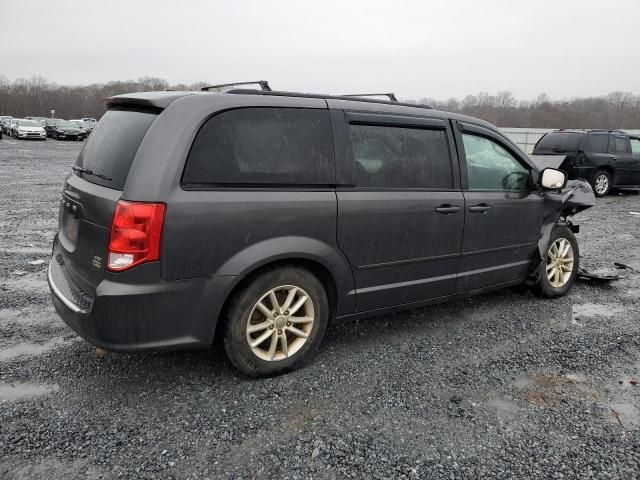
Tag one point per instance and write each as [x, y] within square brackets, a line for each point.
[391, 96]
[264, 85]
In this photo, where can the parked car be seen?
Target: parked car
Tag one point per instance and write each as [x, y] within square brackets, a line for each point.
[5, 121]
[13, 125]
[65, 130]
[606, 158]
[26, 129]
[84, 126]
[90, 123]
[49, 124]
[268, 214]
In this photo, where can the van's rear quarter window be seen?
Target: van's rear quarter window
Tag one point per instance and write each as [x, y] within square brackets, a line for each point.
[112, 146]
[263, 146]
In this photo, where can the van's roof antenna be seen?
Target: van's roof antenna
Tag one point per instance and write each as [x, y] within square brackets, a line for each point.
[391, 96]
[264, 85]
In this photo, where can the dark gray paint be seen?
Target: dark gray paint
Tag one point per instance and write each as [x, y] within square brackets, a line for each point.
[382, 248]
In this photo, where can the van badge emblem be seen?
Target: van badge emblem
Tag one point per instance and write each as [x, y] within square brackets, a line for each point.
[97, 261]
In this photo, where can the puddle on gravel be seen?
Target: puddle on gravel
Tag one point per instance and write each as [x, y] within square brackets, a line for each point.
[506, 409]
[590, 310]
[549, 389]
[633, 292]
[28, 315]
[20, 391]
[625, 414]
[13, 351]
[29, 282]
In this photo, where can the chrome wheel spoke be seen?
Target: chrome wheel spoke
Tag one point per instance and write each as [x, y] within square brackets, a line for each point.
[258, 327]
[283, 345]
[272, 347]
[265, 310]
[261, 338]
[274, 302]
[289, 300]
[301, 320]
[301, 301]
[297, 333]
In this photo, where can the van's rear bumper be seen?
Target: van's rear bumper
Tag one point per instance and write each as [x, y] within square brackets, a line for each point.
[140, 315]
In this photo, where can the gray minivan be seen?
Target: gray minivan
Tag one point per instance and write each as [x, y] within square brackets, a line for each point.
[261, 216]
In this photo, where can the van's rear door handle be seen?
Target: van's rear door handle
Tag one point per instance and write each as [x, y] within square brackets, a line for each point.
[447, 209]
[482, 208]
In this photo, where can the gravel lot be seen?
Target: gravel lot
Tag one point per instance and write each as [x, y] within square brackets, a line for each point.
[497, 386]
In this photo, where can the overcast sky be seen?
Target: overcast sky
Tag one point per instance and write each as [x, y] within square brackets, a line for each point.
[417, 49]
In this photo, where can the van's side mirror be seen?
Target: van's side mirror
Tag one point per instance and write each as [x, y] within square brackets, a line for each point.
[552, 179]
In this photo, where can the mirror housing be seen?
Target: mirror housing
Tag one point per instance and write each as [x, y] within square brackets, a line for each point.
[553, 179]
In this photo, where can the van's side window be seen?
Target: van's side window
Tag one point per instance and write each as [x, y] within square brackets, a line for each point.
[635, 146]
[491, 167]
[400, 157]
[263, 146]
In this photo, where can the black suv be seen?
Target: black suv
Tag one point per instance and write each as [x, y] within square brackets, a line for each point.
[606, 158]
[50, 124]
[66, 130]
[261, 216]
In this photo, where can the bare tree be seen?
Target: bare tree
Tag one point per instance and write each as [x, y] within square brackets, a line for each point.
[37, 96]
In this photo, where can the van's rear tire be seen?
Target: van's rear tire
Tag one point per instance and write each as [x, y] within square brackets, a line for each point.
[558, 270]
[291, 331]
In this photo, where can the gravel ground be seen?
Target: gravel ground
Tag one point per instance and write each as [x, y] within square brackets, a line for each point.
[496, 386]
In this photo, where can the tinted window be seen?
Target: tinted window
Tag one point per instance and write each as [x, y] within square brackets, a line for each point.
[560, 142]
[263, 146]
[491, 167]
[621, 144]
[29, 123]
[635, 146]
[396, 157]
[113, 144]
[598, 142]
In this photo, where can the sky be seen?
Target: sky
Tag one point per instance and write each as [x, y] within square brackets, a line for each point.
[417, 49]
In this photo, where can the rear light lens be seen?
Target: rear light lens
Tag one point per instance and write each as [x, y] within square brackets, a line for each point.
[136, 233]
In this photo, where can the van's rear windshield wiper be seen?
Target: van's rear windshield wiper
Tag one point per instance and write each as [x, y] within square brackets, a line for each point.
[76, 168]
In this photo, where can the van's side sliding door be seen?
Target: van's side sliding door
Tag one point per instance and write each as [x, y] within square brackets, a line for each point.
[400, 207]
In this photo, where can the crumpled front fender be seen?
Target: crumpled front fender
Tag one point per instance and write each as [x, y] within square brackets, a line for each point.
[575, 197]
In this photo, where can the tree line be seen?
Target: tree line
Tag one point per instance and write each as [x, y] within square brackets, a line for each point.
[37, 97]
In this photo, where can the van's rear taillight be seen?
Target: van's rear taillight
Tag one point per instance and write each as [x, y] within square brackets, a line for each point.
[136, 233]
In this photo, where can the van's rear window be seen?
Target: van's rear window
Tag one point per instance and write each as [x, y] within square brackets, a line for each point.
[560, 142]
[111, 147]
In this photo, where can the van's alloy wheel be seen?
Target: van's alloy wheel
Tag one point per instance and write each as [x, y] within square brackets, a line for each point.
[558, 269]
[276, 321]
[559, 262]
[280, 323]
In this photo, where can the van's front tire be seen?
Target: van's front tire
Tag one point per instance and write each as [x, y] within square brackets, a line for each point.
[558, 270]
[276, 323]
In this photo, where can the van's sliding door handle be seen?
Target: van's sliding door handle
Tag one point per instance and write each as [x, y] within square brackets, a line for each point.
[447, 209]
[482, 208]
